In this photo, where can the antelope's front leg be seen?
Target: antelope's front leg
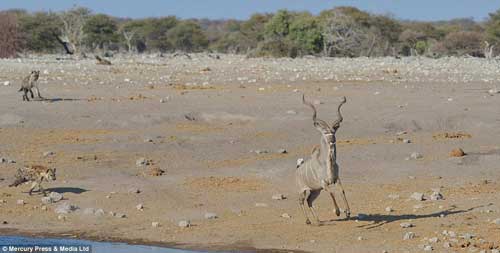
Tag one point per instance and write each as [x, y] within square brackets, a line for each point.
[347, 210]
[335, 205]
[38, 92]
[33, 185]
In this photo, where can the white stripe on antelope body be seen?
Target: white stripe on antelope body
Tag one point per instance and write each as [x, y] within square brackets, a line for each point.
[321, 170]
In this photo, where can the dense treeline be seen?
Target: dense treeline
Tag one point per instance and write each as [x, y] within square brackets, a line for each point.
[337, 32]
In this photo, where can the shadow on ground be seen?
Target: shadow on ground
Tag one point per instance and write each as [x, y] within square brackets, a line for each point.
[74, 190]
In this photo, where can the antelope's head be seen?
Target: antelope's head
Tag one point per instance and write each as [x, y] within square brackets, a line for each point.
[327, 131]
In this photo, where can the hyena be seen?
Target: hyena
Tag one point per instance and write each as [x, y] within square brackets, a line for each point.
[34, 174]
[30, 82]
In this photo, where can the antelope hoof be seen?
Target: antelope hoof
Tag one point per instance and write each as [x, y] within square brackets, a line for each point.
[337, 212]
[308, 222]
[348, 213]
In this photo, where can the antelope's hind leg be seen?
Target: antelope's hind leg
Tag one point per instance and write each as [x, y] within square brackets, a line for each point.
[310, 199]
[303, 195]
[347, 209]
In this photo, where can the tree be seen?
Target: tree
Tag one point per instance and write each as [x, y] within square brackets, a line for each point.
[464, 43]
[187, 36]
[72, 33]
[342, 35]
[38, 31]
[9, 35]
[305, 34]
[493, 27]
[100, 31]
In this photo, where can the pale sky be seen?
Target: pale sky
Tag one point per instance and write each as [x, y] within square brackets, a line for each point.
[242, 9]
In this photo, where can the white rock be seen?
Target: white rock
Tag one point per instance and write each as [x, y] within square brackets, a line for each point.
[416, 156]
[211, 216]
[6, 83]
[409, 236]
[55, 196]
[406, 141]
[417, 196]
[428, 248]
[436, 196]
[406, 225]
[48, 153]
[286, 215]
[446, 245]
[65, 208]
[46, 200]
[434, 240]
[20, 202]
[494, 91]
[140, 207]
[278, 197]
[61, 217]
[155, 224]
[184, 223]
[389, 209]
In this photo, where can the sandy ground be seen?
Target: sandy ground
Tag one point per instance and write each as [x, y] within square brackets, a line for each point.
[99, 120]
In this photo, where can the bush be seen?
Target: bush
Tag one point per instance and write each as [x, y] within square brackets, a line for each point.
[9, 36]
[463, 43]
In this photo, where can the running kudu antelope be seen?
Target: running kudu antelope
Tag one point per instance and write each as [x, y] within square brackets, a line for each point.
[321, 170]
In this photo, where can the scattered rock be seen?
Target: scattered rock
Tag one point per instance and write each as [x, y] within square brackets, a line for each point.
[48, 153]
[156, 172]
[20, 202]
[406, 141]
[282, 151]
[401, 133]
[406, 225]
[55, 197]
[46, 200]
[6, 83]
[416, 156]
[134, 190]
[140, 207]
[211, 216]
[428, 248]
[389, 209]
[446, 245]
[65, 208]
[417, 196]
[434, 240]
[458, 152]
[493, 91]
[409, 236]
[360, 238]
[120, 215]
[436, 196]
[286, 215]
[278, 197]
[155, 224]
[496, 221]
[184, 223]
[261, 152]
[142, 161]
[61, 217]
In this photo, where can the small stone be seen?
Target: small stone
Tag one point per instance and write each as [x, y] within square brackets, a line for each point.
[211, 216]
[20, 202]
[416, 156]
[406, 141]
[458, 152]
[393, 196]
[406, 225]
[401, 133]
[155, 224]
[360, 238]
[44, 208]
[428, 248]
[48, 153]
[120, 215]
[409, 236]
[65, 208]
[434, 240]
[389, 209]
[282, 151]
[446, 245]
[184, 223]
[55, 197]
[261, 152]
[436, 196]
[494, 91]
[6, 83]
[278, 197]
[61, 217]
[5, 222]
[417, 196]
[286, 215]
[46, 200]
[141, 161]
[148, 140]
[496, 221]
[467, 236]
[140, 207]
[452, 234]
[134, 190]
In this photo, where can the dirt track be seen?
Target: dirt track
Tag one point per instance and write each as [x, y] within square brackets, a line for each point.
[98, 121]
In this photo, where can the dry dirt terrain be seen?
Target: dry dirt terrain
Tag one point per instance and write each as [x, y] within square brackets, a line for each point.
[216, 127]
